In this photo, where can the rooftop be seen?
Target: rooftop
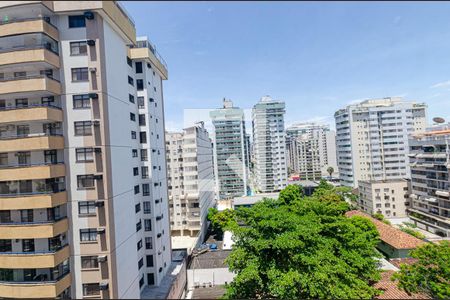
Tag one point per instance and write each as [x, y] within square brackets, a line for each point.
[390, 235]
[391, 291]
[210, 260]
[214, 292]
[250, 200]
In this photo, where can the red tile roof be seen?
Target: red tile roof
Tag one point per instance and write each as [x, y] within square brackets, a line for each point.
[388, 234]
[399, 261]
[392, 291]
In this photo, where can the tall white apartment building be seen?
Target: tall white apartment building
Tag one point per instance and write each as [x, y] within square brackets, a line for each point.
[311, 150]
[231, 159]
[372, 138]
[430, 180]
[83, 191]
[191, 180]
[269, 145]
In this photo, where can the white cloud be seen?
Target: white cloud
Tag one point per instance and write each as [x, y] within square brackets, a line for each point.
[441, 84]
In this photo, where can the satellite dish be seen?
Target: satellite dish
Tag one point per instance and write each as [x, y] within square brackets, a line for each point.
[438, 120]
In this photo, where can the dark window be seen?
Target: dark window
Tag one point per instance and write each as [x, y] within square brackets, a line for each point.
[150, 279]
[139, 244]
[26, 215]
[88, 235]
[85, 181]
[132, 117]
[28, 245]
[135, 171]
[134, 153]
[23, 102]
[86, 207]
[80, 74]
[129, 62]
[136, 189]
[81, 101]
[139, 227]
[141, 102]
[138, 65]
[50, 157]
[77, 21]
[130, 81]
[144, 155]
[91, 289]
[147, 207]
[149, 259]
[89, 262]
[131, 98]
[49, 100]
[145, 189]
[133, 135]
[5, 246]
[137, 208]
[141, 281]
[84, 154]
[143, 137]
[140, 263]
[83, 128]
[78, 48]
[144, 172]
[147, 225]
[139, 84]
[148, 242]
[141, 120]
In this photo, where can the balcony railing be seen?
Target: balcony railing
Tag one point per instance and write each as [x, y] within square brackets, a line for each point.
[16, 20]
[47, 189]
[152, 48]
[30, 106]
[47, 46]
[21, 136]
[28, 77]
[18, 165]
[49, 221]
[42, 252]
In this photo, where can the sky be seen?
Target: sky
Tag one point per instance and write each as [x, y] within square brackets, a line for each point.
[318, 57]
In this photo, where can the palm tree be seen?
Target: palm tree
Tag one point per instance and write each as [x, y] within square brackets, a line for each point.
[330, 171]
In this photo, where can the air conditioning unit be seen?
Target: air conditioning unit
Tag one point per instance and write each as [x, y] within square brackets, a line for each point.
[93, 95]
[90, 42]
[92, 69]
[89, 15]
[101, 230]
[96, 123]
[99, 203]
[103, 286]
[102, 258]
[98, 150]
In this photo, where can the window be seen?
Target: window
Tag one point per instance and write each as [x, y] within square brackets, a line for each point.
[136, 189]
[134, 153]
[135, 171]
[150, 279]
[81, 101]
[77, 21]
[84, 154]
[144, 155]
[144, 172]
[147, 207]
[133, 135]
[89, 262]
[138, 226]
[130, 81]
[138, 65]
[86, 207]
[131, 98]
[139, 244]
[5, 246]
[50, 157]
[137, 208]
[147, 225]
[91, 289]
[146, 189]
[48, 101]
[88, 235]
[23, 130]
[141, 120]
[143, 137]
[129, 62]
[141, 281]
[139, 84]
[141, 102]
[28, 245]
[148, 242]
[149, 259]
[85, 181]
[80, 74]
[26, 215]
[21, 74]
[132, 117]
[140, 263]
[83, 128]
[22, 102]
[78, 48]
[3, 159]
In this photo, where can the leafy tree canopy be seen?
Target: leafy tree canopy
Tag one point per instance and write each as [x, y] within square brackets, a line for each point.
[302, 247]
[430, 274]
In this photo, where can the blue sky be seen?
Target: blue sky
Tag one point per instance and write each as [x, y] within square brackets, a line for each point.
[316, 56]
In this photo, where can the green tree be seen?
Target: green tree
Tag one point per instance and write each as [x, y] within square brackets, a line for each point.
[290, 193]
[330, 171]
[299, 247]
[430, 274]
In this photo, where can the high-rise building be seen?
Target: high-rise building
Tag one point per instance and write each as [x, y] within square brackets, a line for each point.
[430, 183]
[83, 192]
[372, 138]
[311, 150]
[269, 145]
[230, 151]
[191, 180]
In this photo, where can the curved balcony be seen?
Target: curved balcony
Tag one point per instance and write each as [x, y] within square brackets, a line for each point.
[30, 84]
[40, 112]
[34, 260]
[32, 201]
[28, 25]
[28, 172]
[40, 141]
[36, 290]
[33, 230]
[29, 54]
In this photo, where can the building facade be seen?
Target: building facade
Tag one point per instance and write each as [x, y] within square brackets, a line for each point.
[387, 197]
[372, 139]
[231, 159]
[191, 180]
[311, 150]
[83, 188]
[269, 145]
[430, 183]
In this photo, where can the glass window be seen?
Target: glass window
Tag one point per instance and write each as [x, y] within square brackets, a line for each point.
[88, 235]
[141, 281]
[129, 62]
[89, 262]
[149, 259]
[141, 102]
[23, 130]
[48, 101]
[77, 21]
[3, 159]
[136, 189]
[134, 153]
[84, 154]
[85, 181]
[148, 242]
[132, 117]
[28, 245]
[144, 171]
[135, 171]
[91, 289]
[130, 80]
[24, 158]
[144, 155]
[23, 102]
[145, 189]
[147, 207]
[133, 135]
[86, 207]
[147, 225]
[138, 65]
[140, 263]
[78, 48]
[83, 128]
[139, 244]
[50, 156]
[5, 246]
[26, 215]
[139, 84]
[5, 216]
[137, 208]
[80, 74]
[131, 98]
[141, 120]
[20, 74]
[150, 279]
[143, 137]
[81, 101]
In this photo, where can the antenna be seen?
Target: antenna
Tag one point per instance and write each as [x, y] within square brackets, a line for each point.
[438, 120]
